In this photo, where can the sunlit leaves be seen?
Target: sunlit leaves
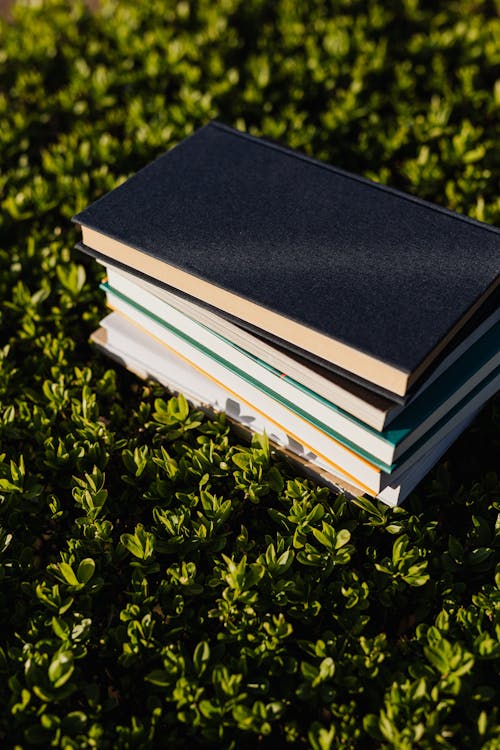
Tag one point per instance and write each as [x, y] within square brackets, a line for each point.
[163, 581]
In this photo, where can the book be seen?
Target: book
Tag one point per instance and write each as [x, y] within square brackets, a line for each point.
[145, 357]
[365, 471]
[370, 281]
[369, 407]
[380, 447]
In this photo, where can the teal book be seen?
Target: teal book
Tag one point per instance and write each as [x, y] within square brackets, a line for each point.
[415, 425]
[362, 403]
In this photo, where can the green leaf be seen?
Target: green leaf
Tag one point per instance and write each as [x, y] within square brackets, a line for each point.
[140, 544]
[201, 657]
[67, 573]
[158, 677]
[72, 277]
[321, 738]
[438, 658]
[86, 570]
[61, 668]
[242, 460]
[343, 537]
[377, 514]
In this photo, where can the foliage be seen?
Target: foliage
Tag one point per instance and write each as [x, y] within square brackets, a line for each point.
[161, 583]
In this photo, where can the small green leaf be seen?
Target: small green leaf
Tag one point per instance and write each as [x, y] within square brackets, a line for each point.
[86, 570]
[61, 668]
[201, 657]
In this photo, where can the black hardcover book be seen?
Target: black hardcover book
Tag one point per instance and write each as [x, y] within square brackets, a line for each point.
[481, 321]
[364, 277]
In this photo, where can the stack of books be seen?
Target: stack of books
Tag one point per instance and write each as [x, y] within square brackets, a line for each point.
[356, 325]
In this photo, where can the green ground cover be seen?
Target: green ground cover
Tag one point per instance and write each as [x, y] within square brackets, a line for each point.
[163, 585]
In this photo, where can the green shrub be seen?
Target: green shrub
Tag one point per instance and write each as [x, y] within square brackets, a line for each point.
[162, 584]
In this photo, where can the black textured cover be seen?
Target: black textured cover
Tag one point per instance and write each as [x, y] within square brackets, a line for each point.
[379, 270]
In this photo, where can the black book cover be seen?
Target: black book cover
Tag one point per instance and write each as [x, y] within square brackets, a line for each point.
[382, 272]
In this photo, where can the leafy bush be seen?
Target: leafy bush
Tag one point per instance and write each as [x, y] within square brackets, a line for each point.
[163, 585]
